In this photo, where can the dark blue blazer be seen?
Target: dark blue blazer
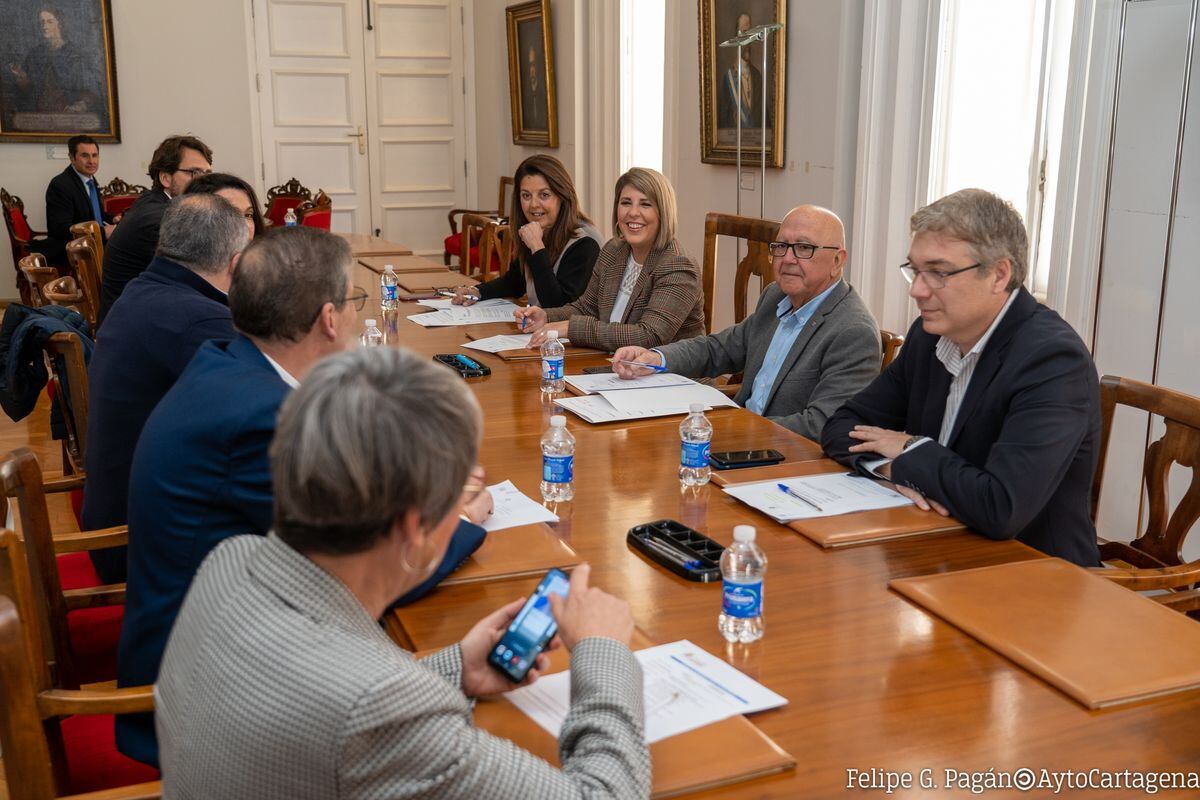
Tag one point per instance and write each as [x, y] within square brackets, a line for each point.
[201, 474]
[131, 248]
[153, 331]
[1020, 459]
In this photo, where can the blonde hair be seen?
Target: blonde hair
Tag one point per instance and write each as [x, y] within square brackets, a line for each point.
[659, 191]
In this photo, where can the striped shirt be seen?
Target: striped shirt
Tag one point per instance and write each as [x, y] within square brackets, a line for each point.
[961, 368]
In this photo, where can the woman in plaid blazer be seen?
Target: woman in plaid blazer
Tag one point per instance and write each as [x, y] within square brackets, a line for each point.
[645, 290]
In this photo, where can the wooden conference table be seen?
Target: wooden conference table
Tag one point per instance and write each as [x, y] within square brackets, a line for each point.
[872, 681]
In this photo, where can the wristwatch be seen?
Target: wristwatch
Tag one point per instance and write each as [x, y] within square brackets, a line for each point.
[910, 441]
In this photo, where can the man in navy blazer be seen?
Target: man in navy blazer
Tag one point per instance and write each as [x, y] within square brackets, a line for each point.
[992, 410]
[74, 196]
[153, 331]
[201, 471]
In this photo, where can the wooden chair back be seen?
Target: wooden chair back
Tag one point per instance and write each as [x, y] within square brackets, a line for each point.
[316, 213]
[36, 275]
[494, 246]
[284, 196]
[117, 196]
[91, 228]
[1161, 543]
[452, 217]
[890, 344]
[85, 260]
[68, 373]
[20, 236]
[758, 233]
[502, 202]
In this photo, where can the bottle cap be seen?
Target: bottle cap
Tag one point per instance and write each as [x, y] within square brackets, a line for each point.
[370, 323]
[552, 334]
[743, 533]
[696, 408]
[388, 268]
[558, 421]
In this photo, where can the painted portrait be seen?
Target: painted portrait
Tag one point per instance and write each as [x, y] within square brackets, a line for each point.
[729, 94]
[57, 71]
[531, 74]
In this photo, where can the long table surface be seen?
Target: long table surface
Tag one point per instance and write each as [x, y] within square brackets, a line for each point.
[872, 681]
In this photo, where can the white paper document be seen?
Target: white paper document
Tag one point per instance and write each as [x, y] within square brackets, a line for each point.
[593, 384]
[505, 341]
[827, 495]
[513, 508]
[685, 688]
[656, 401]
[487, 311]
[445, 302]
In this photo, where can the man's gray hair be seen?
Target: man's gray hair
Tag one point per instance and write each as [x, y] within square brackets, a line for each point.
[989, 225]
[285, 278]
[202, 232]
[371, 434]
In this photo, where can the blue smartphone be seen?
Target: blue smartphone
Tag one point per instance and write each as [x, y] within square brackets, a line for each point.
[531, 630]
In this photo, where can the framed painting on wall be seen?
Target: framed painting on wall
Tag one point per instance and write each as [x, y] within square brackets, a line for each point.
[58, 74]
[723, 99]
[531, 74]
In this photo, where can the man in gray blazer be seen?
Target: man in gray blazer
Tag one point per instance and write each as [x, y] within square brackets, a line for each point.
[810, 345]
[278, 681]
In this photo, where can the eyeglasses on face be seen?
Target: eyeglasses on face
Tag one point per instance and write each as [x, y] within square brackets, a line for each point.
[196, 172]
[934, 278]
[801, 250]
[358, 297]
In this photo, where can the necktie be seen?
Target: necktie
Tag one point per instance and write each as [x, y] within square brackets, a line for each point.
[94, 196]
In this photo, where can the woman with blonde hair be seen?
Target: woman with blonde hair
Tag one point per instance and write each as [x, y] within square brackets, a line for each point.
[644, 291]
[556, 245]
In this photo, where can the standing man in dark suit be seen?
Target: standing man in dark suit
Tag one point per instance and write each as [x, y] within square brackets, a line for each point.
[74, 196]
[992, 410]
[152, 332]
[176, 161]
[809, 346]
[201, 472]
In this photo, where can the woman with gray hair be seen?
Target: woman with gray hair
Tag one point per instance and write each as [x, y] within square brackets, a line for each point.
[278, 680]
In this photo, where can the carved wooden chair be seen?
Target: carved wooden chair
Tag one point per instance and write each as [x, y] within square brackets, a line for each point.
[37, 276]
[890, 344]
[91, 228]
[492, 251]
[48, 734]
[1154, 560]
[452, 246]
[69, 380]
[88, 267]
[316, 213]
[284, 196]
[21, 236]
[758, 233]
[117, 196]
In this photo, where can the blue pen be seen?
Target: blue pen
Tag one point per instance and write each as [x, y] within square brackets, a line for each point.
[653, 367]
[783, 487]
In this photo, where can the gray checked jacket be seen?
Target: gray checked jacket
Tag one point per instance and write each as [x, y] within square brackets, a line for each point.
[834, 356]
[278, 684]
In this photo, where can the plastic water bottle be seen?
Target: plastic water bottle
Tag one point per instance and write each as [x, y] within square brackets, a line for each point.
[552, 364]
[372, 336]
[289, 219]
[558, 461]
[388, 288]
[743, 568]
[695, 433]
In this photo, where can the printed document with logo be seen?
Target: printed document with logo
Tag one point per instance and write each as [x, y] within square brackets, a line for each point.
[685, 688]
[483, 311]
[816, 496]
[666, 401]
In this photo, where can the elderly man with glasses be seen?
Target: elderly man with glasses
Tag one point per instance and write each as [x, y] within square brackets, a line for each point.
[201, 472]
[809, 345]
[992, 410]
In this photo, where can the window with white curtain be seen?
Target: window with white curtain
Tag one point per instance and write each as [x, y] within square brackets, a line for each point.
[998, 109]
[643, 43]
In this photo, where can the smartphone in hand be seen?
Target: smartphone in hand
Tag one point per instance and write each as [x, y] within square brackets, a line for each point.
[531, 630]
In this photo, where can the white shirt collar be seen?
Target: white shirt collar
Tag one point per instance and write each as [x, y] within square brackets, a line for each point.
[283, 373]
[81, 176]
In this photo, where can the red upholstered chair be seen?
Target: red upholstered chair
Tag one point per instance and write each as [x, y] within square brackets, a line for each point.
[117, 196]
[281, 198]
[316, 213]
[452, 246]
[20, 237]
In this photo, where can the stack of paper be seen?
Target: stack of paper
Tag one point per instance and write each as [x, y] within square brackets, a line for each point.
[448, 314]
[612, 405]
[513, 508]
[816, 496]
[685, 688]
[607, 381]
[505, 341]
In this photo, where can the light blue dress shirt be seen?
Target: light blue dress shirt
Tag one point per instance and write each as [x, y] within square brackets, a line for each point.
[791, 322]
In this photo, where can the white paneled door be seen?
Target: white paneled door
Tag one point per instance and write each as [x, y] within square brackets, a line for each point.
[366, 100]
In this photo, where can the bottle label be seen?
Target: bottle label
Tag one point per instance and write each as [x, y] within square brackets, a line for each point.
[389, 294]
[558, 469]
[742, 600]
[552, 369]
[694, 454]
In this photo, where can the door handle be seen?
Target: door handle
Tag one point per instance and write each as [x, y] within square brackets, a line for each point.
[362, 142]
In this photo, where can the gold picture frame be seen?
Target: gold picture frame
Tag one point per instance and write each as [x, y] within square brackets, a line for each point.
[719, 104]
[58, 72]
[531, 74]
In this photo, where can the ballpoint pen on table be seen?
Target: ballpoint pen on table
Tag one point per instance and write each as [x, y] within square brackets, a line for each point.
[653, 367]
[445, 293]
[670, 553]
[790, 492]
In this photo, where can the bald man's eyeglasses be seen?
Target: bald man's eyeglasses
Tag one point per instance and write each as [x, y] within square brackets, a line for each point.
[801, 250]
